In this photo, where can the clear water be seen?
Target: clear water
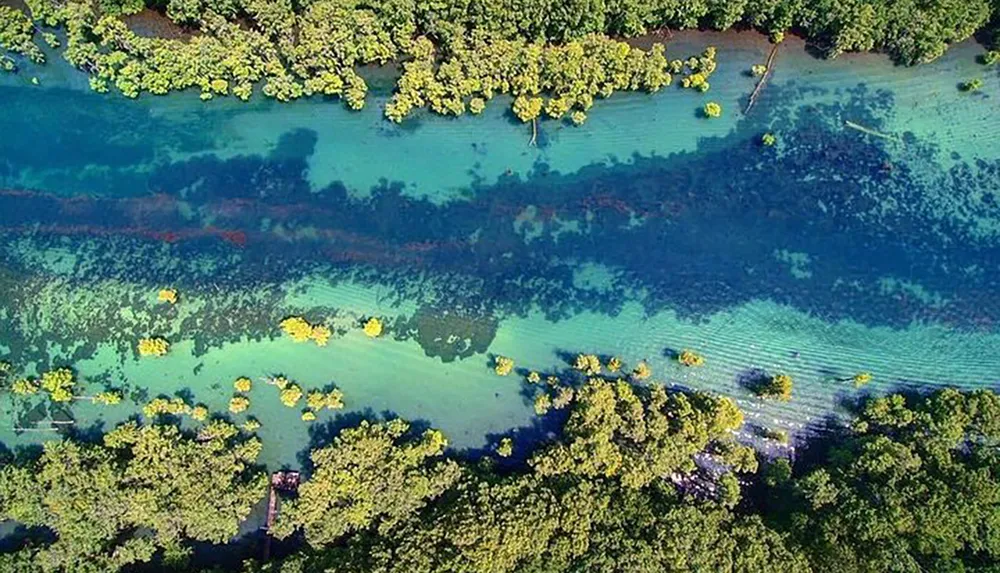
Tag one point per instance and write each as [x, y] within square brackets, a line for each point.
[646, 231]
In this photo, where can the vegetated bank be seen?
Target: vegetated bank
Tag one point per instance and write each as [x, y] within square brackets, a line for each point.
[551, 57]
[638, 479]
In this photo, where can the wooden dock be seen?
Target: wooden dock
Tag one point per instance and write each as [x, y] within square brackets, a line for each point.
[287, 481]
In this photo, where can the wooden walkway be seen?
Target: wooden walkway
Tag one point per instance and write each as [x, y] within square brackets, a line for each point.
[287, 481]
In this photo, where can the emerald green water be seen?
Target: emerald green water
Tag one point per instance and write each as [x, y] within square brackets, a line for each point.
[646, 231]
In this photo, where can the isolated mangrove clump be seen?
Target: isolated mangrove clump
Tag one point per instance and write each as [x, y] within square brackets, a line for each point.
[861, 379]
[564, 396]
[109, 398]
[614, 364]
[780, 436]
[589, 364]
[238, 404]
[505, 448]
[290, 395]
[154, 346]
[299, 330]
[503, 365]
[332, 400]
[167, 295]
[777, 387]
[373, 327]
[642, 371]
[320, 334]
[59, 384]
[712, 109]
[199, 413]
[242, 384]
[171, 406]
[972, 85]
[24, 387]
[543, 402]
[690, 358]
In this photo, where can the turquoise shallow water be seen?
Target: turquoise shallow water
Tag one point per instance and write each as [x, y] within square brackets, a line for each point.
[646, 231]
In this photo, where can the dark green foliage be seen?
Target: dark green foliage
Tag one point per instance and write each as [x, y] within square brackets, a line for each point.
[17, 35]
[912, 485]
[916, 488]
[368, 475]
[97, 499]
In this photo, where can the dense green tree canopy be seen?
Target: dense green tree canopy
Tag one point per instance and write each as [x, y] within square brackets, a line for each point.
[613, 432]
[552, 56]
[639, 480]
[145, 488]
[368, 475]
[915, 488]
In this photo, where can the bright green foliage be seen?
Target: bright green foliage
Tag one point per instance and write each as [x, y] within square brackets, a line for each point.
[171, 406]
[484, 65]
[59, 384]
[146, 487]
[369, 475]
[758, 69]
[290, 395]
[17, 35]
[777, 387]
[199, 413]
[612, 431]
[972, 85]
[24, 387]
[916, 488]
[991, 58]
[768, 140]
[505, 448]
[455, 54]
[108, 398]
[543, 403]
[712, 109]
[332, 400]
